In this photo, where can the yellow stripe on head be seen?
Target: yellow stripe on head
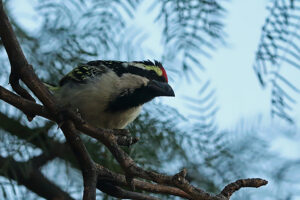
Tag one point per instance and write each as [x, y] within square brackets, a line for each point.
[154, 68]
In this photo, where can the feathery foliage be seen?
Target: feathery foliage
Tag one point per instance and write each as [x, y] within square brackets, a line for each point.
[278, 56]
[191, 29]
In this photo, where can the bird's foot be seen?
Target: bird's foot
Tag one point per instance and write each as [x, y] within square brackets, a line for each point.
[121, 132]
[124, 138]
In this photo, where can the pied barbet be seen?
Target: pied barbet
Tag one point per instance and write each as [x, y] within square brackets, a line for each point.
[110, 94]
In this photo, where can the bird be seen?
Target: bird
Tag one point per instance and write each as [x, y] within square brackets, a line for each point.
[110, 94]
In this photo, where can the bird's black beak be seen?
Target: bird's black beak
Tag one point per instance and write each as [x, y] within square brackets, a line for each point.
[160, 88]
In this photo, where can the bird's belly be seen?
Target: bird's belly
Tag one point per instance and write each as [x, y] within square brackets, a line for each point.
[111, 120]
[119, 119]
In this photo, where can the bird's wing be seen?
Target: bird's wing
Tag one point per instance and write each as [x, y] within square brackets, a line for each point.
[82, 73]
[116, 66]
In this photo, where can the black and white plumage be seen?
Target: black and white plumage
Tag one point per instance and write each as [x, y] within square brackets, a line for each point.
[110, 94]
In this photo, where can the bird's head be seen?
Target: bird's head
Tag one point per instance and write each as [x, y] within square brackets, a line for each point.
[155, 75]
[139, 82]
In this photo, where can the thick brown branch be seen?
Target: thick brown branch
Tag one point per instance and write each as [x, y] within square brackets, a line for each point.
[33, 179]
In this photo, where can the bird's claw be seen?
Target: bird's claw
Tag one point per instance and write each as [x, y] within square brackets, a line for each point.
[121, 132]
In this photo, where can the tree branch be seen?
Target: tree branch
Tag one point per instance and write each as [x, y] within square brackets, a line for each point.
[42, 159]
[235, 186]
[24, 105]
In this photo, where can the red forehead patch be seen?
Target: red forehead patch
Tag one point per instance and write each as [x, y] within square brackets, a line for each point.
[164, 73]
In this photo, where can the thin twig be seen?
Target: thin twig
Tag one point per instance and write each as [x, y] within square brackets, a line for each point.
[235, 186]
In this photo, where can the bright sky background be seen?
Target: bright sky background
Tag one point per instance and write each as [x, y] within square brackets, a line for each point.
[238, 89]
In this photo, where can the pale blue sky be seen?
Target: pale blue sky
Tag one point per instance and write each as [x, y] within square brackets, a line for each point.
[238, 90]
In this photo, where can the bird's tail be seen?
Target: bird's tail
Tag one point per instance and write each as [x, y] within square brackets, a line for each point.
[52, 88]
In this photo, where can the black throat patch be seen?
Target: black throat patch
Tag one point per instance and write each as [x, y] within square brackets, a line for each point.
[130, 98]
